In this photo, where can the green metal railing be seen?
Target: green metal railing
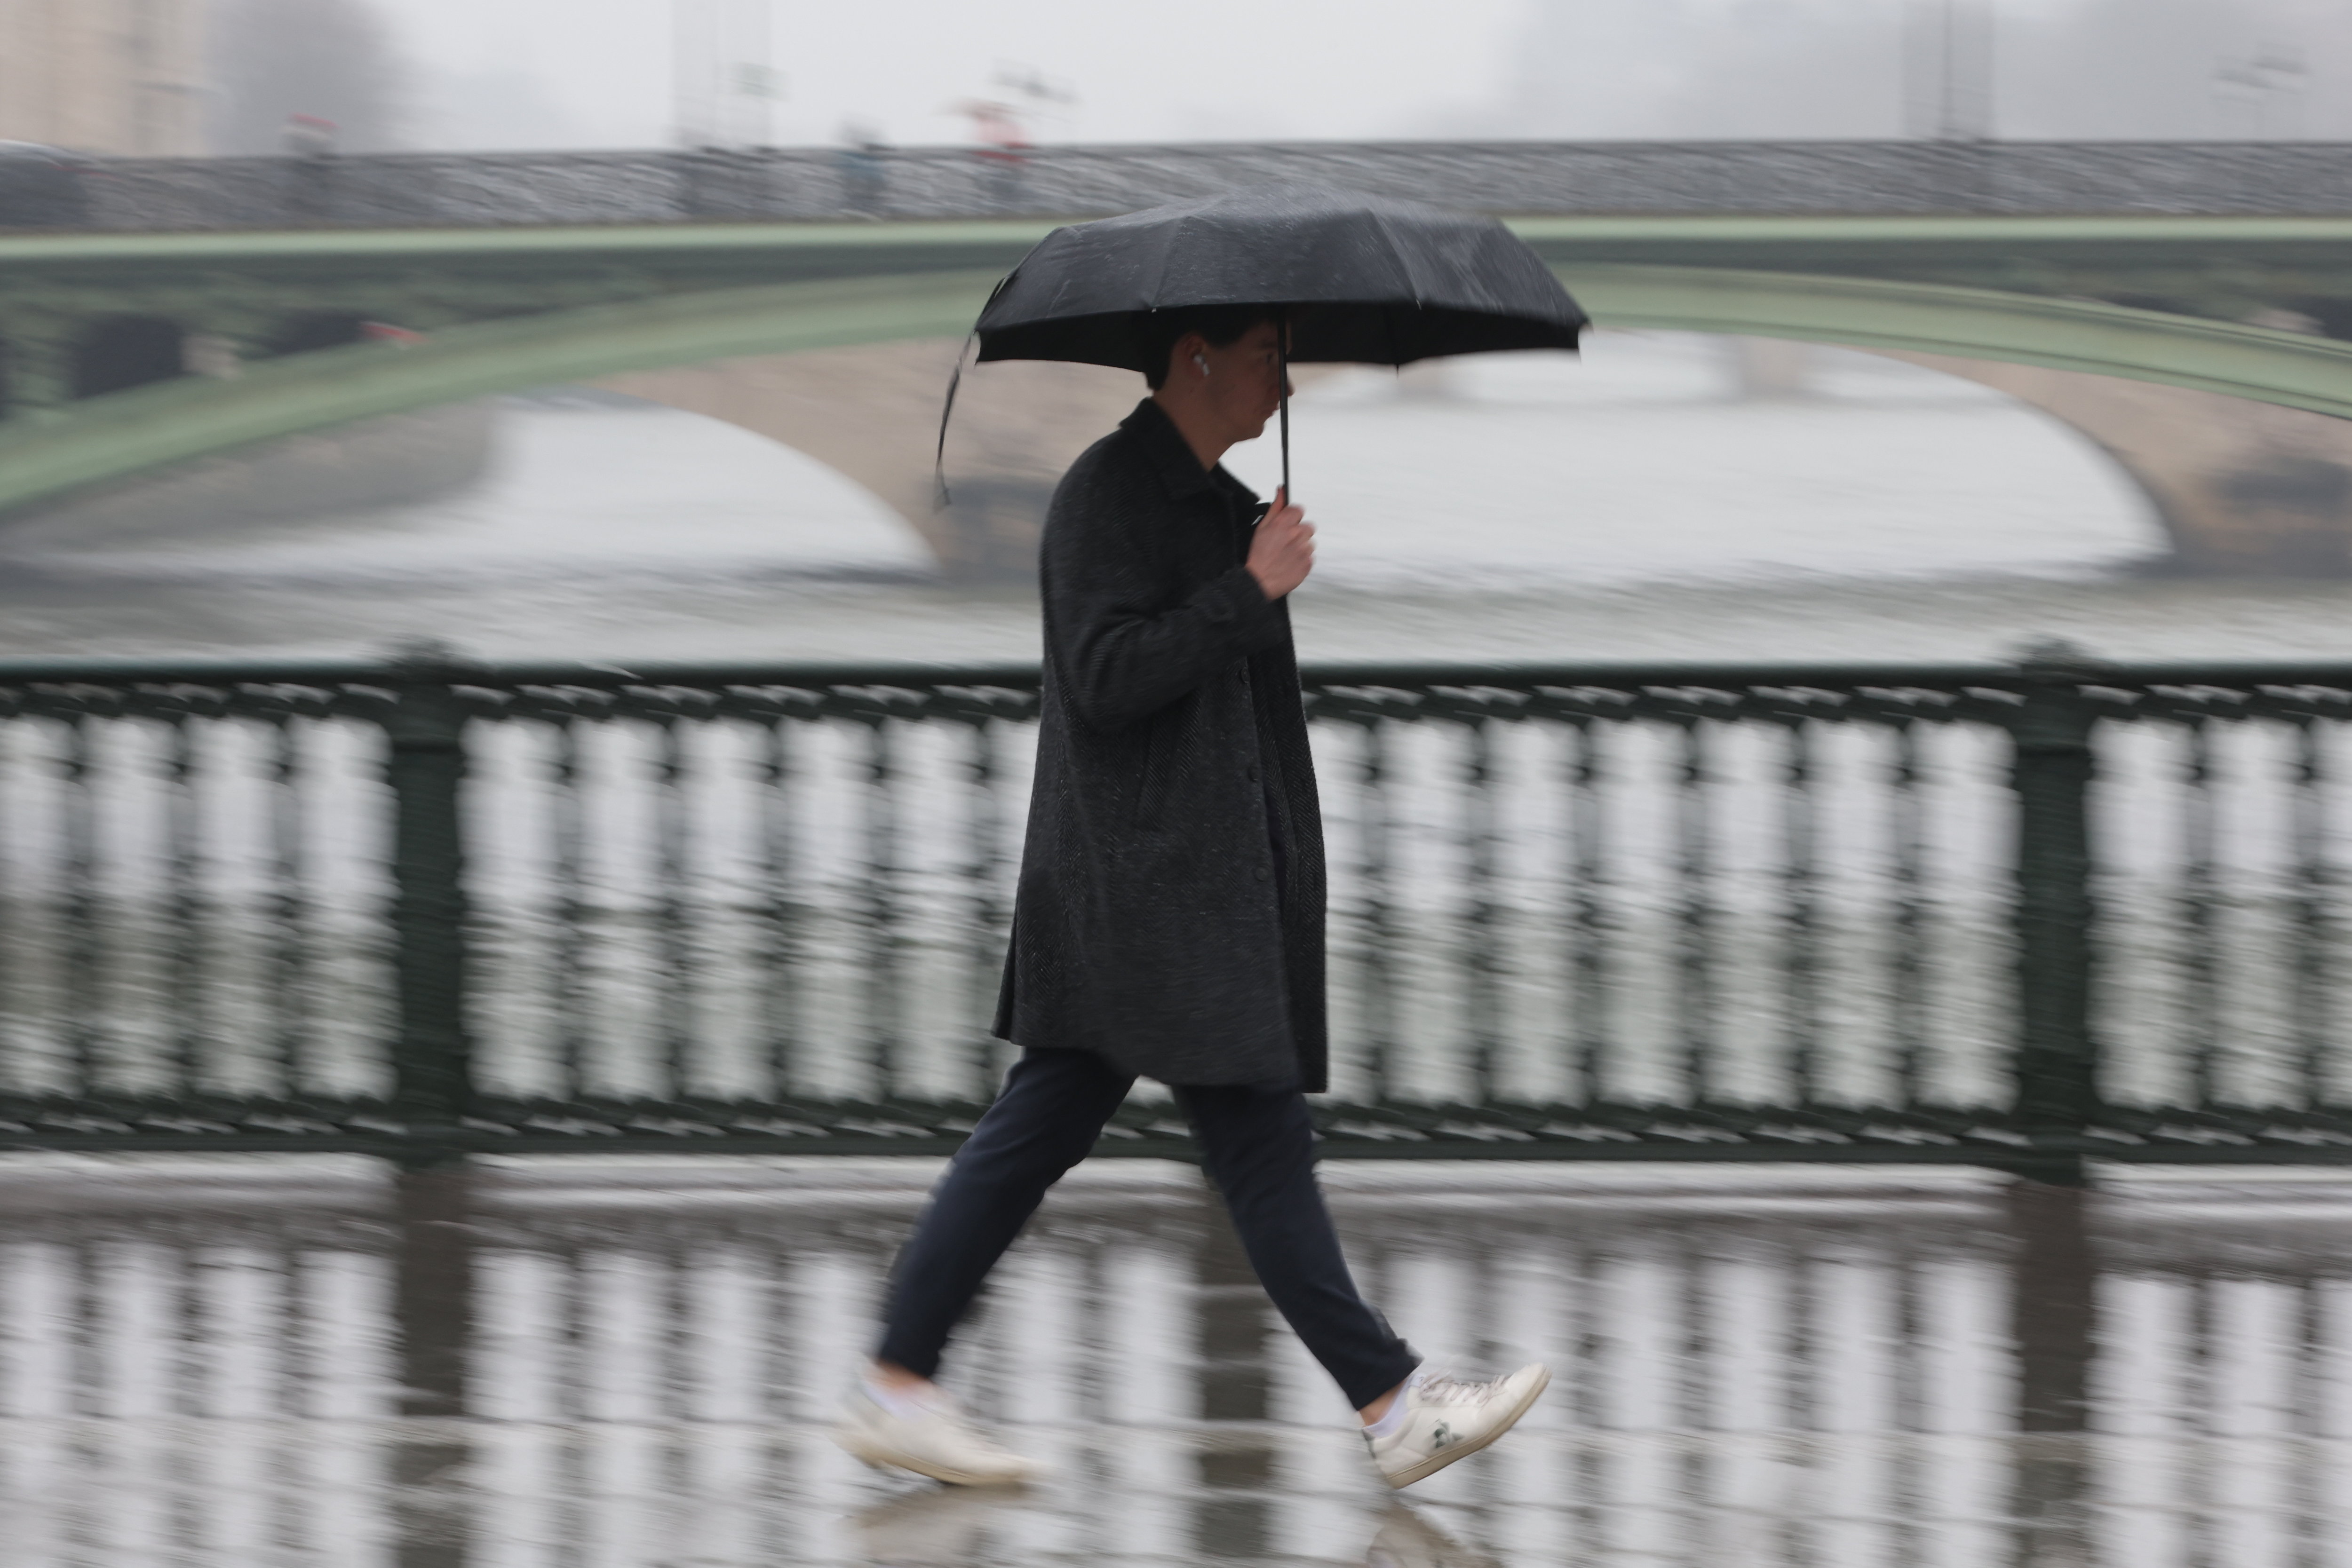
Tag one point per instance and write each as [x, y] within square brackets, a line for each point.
[2015, 916]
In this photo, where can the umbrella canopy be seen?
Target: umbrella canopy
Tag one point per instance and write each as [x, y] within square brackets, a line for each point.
[1362, 280]
[1354, 279]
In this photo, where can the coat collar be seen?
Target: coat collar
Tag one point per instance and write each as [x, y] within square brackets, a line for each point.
[1164, 445]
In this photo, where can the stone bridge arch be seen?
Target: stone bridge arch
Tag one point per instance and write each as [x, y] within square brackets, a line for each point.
[871, 413]
[2241, 479]
[128, 432]
[2240, 488]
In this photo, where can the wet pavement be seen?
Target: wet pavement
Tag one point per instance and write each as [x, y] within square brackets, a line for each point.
[259, 1361]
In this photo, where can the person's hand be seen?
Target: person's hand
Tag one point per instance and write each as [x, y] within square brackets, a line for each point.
[1282, 551]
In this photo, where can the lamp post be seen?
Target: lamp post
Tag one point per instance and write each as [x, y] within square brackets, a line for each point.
[1949, 86]
[2273, 77]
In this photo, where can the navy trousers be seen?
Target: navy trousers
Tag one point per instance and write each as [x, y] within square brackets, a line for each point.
[1257, 1146]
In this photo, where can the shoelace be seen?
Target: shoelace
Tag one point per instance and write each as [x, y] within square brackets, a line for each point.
[1440, 1390]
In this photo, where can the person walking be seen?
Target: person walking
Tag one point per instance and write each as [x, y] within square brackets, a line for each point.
[1168, 920]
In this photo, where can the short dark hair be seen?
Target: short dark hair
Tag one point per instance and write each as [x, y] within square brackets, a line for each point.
[1157, 332]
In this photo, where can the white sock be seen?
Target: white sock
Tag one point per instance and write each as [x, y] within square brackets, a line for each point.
[1391, 1421]
[900, 1402]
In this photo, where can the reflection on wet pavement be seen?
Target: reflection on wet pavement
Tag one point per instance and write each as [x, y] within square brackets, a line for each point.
[259, 1361]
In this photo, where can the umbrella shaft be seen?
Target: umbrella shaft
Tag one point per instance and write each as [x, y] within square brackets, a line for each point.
[1282, 385]
[1285, 447]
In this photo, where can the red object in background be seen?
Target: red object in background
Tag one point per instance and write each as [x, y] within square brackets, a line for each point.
[385, 332]
[310, 136]
[997, 128]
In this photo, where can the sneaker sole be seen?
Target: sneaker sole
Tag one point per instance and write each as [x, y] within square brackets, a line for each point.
[882, 1459]
[1444, 1457]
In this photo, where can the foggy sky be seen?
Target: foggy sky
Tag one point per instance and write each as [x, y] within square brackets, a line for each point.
[488, 73]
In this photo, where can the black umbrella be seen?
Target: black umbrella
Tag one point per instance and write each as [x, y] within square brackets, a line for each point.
[1354, 279]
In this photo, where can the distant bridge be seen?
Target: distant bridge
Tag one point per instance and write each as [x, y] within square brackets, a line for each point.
[2142, 262]
[1885, 179]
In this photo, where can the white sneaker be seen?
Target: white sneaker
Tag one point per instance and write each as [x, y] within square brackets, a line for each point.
[1446, 1418]
[931, 1438]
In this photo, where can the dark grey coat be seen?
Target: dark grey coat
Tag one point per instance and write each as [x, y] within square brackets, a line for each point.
[1156, 925]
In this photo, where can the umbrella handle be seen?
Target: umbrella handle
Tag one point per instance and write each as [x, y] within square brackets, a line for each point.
[940, 499]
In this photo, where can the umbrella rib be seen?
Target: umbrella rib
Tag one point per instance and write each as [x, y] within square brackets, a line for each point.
[1176, 237]
[1404, 266]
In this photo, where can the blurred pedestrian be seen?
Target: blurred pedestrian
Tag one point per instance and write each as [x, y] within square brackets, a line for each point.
[309, 187]
[1168, 922]
[1004, 148]
[863, 173]
[309, 136]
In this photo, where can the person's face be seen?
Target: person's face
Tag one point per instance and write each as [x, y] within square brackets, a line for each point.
[1244, 381]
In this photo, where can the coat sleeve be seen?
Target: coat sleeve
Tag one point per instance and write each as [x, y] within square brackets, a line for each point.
[1124, 657]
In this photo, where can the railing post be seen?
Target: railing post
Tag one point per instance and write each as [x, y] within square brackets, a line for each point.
[432, 1074]
[2057, 1059]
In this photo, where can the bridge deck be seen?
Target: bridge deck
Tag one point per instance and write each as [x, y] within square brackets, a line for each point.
[507, 190]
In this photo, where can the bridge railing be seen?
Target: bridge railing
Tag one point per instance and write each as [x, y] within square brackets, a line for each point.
[511, 189]
[2015, 916]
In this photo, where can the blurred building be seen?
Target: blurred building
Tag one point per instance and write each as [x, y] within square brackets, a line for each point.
[104, 76]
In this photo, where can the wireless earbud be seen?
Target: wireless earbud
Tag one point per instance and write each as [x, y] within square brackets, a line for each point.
[1202, 361]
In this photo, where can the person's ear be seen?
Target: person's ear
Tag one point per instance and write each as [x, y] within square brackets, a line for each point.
[1190, 354]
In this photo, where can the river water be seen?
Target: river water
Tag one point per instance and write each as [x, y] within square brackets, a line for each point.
[1632, 505]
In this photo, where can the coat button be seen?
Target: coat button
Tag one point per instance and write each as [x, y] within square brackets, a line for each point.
[1252, 773]
[1260, 873]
